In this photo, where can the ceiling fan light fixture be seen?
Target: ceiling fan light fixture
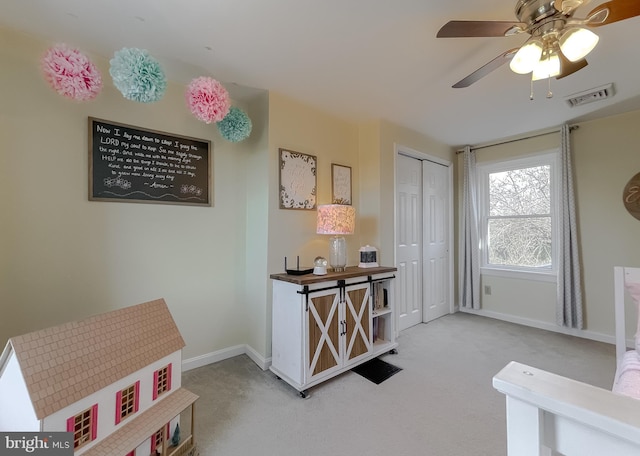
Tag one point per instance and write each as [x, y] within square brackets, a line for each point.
[577, 42]
[527, 57]
[548, 67]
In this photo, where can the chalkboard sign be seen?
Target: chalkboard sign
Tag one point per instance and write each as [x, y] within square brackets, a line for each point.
[133, 164]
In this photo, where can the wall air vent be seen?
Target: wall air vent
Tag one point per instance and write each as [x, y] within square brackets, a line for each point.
[589, 96]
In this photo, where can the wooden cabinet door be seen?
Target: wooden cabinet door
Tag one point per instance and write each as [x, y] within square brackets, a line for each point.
[357, 320]
[323, 334]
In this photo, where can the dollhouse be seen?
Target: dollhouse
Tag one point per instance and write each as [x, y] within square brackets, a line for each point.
[114, 380]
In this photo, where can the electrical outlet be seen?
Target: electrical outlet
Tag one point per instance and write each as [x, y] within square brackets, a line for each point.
[487, 289]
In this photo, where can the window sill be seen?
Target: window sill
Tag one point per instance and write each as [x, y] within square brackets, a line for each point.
[512, 274]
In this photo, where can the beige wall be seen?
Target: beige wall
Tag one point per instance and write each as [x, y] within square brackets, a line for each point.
[369, 156]
[392, 136]
[64, 257]
[255, 287]
[605, 157]
[298, 127]
[368, 148]
[379, 141]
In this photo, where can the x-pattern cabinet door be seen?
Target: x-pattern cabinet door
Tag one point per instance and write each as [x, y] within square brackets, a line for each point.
[357, 320]
[324, 333]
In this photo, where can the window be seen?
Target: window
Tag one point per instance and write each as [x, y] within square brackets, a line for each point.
[158, 438]
[518, 204]
[161, 381]
[127, 401]
[84, 426]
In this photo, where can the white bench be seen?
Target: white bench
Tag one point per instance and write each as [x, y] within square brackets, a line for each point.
[548, 414]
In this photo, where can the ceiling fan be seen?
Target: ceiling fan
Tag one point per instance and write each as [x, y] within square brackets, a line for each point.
[558, 42]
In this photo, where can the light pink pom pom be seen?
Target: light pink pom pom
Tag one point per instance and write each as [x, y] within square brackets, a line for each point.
[208, 100]
[71, 73]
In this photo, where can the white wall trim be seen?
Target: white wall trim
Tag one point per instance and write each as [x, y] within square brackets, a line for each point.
[226, 353]
[585, 334]
[262, 362]
[408, 151]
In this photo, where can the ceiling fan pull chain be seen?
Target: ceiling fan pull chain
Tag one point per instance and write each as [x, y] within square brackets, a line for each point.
[549, 93]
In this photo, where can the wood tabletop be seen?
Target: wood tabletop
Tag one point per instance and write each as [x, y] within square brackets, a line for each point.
[351, 271]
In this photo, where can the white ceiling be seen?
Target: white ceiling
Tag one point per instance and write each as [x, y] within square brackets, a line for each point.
[359, 59]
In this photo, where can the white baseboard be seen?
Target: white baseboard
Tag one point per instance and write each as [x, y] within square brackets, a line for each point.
[226, 353]
[585, 334]
[262, 362]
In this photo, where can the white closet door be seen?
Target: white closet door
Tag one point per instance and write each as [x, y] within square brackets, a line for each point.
[409, 241]
[436, 240]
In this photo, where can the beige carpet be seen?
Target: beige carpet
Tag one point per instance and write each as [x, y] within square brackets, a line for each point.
[440, 404]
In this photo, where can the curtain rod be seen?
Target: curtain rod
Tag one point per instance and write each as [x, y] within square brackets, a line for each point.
[571, 128]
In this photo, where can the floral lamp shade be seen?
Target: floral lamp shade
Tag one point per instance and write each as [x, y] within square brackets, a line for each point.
[336, 219]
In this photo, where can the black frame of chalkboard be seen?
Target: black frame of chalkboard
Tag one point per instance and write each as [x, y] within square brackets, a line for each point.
[169, 197]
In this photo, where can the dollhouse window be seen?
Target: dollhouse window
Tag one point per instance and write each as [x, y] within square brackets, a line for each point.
[127, 401]
[84, 426]
[161, 381]
[158, 438]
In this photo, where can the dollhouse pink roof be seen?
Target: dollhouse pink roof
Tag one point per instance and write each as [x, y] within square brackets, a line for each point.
[66, 363]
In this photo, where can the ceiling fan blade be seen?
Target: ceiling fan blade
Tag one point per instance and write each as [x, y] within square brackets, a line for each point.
[619, 10]
[567, 7]
[486, 69]
[467, 29]
[568, 67]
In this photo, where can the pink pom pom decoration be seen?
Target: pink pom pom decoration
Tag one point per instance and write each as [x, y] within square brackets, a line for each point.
[208, 100]
[70, 73]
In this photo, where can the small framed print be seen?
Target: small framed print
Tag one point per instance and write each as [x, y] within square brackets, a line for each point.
[298, 180]
[340, 184]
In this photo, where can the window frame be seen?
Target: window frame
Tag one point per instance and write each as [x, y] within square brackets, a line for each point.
[90, 430]
[161, 434]
[549, 158]
[162, 379]
[134, 404]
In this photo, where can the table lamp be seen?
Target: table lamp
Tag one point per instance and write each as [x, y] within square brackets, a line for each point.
[336, 219]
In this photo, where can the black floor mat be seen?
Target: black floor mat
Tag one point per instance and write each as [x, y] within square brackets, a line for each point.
[376, 370]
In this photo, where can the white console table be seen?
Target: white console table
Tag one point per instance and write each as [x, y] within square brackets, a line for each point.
[326, 325]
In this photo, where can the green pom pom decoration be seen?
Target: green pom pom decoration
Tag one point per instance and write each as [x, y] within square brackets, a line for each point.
[137, 75]
[236, 126]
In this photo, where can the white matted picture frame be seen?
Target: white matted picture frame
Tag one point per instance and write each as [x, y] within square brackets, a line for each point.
[340, 184]
[298, 180]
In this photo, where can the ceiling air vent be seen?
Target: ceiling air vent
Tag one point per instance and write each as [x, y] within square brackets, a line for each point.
[589, 96]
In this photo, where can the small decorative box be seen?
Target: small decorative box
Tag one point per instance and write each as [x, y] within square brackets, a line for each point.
[368, 257]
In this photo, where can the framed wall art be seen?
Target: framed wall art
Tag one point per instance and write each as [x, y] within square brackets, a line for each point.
[132, 164]
[340, 184]
[298, 180]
